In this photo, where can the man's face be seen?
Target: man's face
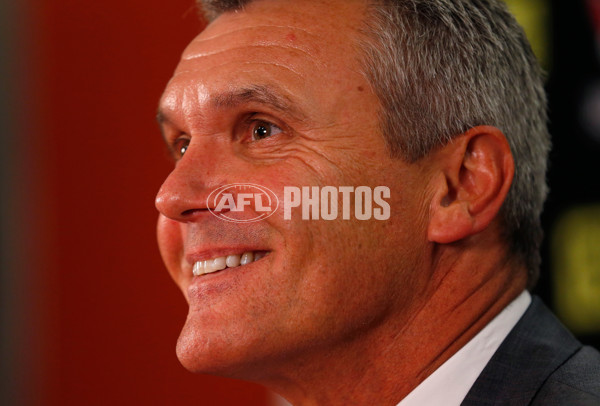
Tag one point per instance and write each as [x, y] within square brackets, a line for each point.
[274, 96]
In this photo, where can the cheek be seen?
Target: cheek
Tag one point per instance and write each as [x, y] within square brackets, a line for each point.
[170, 245]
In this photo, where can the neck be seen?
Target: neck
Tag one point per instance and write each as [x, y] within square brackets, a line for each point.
[384, 364]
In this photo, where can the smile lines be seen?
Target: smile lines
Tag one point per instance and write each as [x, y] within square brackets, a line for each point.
[230, 261]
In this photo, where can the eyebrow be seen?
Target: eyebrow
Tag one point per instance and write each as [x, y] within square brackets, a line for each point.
[266, 95]
[260, 94]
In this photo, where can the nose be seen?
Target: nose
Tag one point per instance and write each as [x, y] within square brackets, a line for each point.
[183, 195]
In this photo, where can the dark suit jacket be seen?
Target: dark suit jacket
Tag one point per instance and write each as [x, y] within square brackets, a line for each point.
[540, 363]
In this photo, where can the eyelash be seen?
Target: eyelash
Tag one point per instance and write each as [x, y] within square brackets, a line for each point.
[252, 124]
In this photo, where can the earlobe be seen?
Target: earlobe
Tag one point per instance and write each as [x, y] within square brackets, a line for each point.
[474, 175]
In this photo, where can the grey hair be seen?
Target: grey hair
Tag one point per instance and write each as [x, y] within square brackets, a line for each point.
[441, 67]
[214, 8]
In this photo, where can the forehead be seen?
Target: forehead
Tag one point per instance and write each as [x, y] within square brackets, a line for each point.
[282, 43]
[310, 25]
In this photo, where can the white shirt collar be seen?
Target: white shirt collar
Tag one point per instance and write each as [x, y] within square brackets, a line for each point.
[449, 384]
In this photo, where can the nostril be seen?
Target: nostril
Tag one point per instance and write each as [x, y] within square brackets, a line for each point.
[192, 212]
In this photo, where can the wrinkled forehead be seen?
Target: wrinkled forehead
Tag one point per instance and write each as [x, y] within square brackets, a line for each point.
[323, 31]
[252, 44]
[305, 52]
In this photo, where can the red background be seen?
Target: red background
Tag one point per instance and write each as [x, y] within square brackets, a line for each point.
[105, 314]
[92, 314]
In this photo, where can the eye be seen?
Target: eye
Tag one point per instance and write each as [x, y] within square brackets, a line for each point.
[263, 129]
[180, 146]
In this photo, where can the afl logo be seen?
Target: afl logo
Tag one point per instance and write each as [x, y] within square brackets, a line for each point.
[229, 201]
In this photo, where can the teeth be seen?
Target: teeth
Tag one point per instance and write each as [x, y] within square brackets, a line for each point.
[198, 268]
[230, 261]
[233, 260]
[214, 264]
[247, 258]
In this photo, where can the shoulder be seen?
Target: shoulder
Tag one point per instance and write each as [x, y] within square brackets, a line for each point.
[576, 382]
[539, 363]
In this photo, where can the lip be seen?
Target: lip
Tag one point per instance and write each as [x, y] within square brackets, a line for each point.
[214, 284]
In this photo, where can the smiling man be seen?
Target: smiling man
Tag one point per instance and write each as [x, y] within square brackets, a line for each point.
[437, 108]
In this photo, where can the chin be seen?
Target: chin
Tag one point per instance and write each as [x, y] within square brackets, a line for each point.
[214, 355]
[197, 353]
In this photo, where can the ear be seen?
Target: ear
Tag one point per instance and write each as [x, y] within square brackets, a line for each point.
[475, 172]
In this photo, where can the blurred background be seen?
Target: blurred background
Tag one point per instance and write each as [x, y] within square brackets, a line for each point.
[88, 315]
